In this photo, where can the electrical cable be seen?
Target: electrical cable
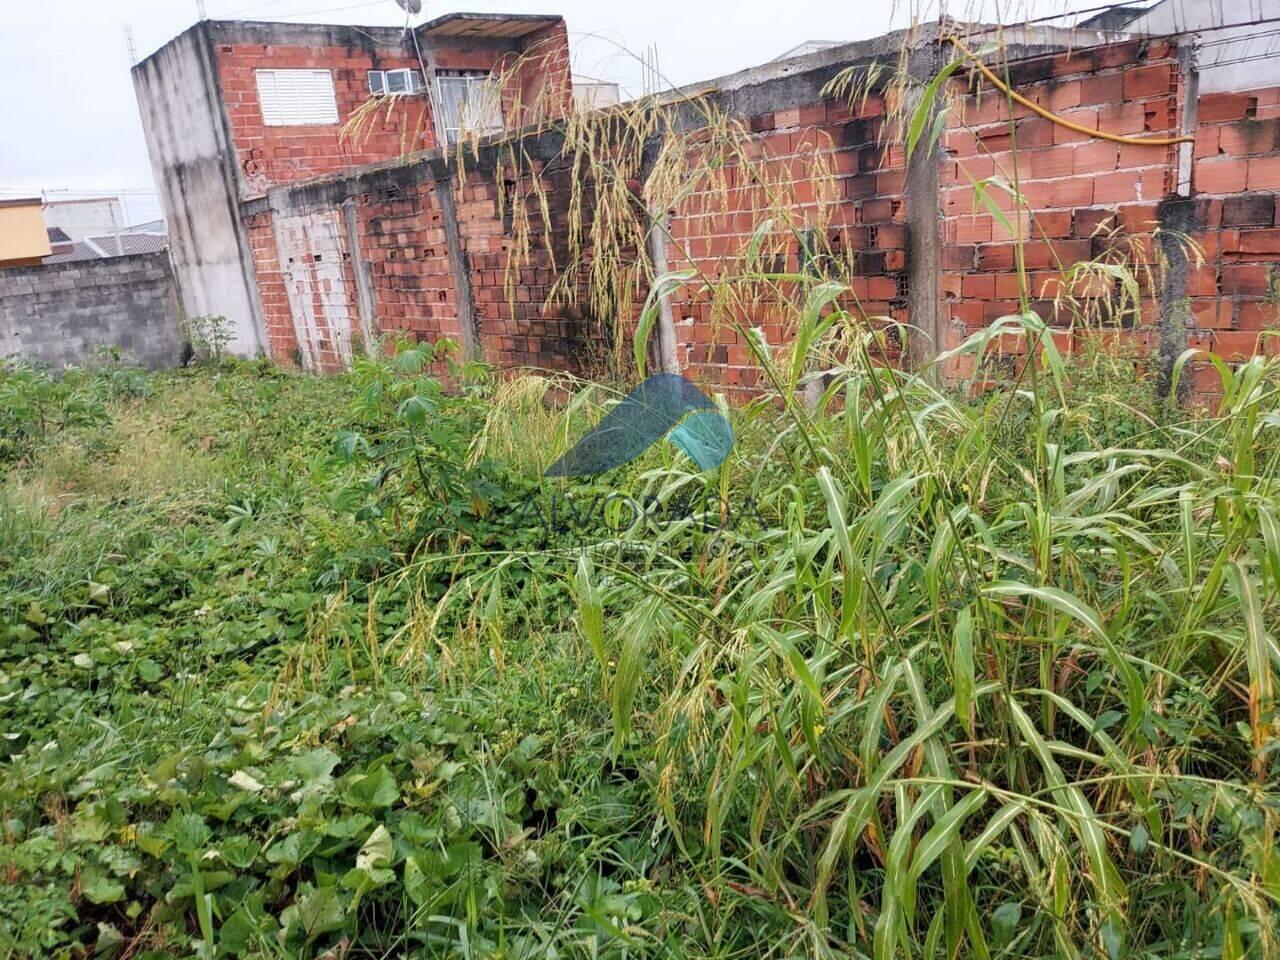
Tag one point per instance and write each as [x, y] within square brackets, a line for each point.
[1062, 121]
[1267, 55]
[314, 13]
[1238, 38]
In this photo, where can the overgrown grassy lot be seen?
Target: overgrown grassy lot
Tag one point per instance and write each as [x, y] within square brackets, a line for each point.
[321, 667]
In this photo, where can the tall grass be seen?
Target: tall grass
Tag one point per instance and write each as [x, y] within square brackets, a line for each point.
[985, 680]
[993, 674]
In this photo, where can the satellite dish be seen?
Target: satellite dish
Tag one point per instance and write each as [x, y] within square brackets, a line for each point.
[410, 6]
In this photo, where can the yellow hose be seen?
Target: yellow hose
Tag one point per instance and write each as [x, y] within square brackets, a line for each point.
[1061, 121]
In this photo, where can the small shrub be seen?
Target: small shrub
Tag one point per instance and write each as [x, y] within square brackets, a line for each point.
[35, 406]
[209, 337]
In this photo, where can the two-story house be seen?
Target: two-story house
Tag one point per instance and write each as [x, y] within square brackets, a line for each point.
[233, 109]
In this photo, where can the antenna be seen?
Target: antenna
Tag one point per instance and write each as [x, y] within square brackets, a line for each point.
[200, 10]
[651, 73]
[130, 44]
[412, 7]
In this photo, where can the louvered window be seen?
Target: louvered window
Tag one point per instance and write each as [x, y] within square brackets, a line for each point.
[297, 97]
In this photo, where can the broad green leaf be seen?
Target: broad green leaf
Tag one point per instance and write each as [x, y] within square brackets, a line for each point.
[372, 791]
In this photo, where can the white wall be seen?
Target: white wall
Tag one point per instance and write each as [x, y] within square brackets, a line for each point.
[1231, 57]
[85, 218]
[191, 156]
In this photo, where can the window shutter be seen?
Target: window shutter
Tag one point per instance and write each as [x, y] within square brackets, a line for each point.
[297, 97]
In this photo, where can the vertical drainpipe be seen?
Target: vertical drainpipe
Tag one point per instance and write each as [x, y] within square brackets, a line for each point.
[1177, 216]
[927, 337]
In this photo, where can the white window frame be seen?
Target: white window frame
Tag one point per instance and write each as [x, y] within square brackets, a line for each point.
[287, 108]
[472, 79]
[380, 82]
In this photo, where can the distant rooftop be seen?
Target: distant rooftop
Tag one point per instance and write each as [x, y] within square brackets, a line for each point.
[508, 26]
[98, 248]
[1116, 18]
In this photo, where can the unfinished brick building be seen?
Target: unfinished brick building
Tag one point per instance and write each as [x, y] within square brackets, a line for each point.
[233, 111]
[312, 241]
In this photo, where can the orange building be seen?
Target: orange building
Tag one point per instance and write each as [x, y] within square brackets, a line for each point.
[24, 242]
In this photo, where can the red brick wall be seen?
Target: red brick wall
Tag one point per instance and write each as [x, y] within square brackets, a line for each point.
[282, 341]
[830, 171]
[1072, 183]
[269, 156]
[524, 330]
[538, 86]
[534, 71]
[402, 238]
[1236, 177]
[824, 167]
[307, 286]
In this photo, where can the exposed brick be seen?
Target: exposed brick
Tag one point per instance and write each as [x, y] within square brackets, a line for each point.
[1086, 222]
[974, 229]
[1255, 209]
[1212, 314]
[1234, 345]
[1097, 156]
[1053, 225]
[1068, 192]
[1264, 173]
[1106, 88]
[1220, 176]
[1260, 241]
[1051, 163]
[1245, 280]
[1257, 315]
[1248, 137]
[1216, 107]
[996, 256]
[959, 257]
[1143, 82]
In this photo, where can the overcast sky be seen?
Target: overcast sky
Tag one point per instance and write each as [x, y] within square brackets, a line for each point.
[69, 122]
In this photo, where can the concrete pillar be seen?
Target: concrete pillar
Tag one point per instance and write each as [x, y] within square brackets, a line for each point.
[927, 338]
[665, 330]
[1178, 215]
[366, 302]
[459, 265]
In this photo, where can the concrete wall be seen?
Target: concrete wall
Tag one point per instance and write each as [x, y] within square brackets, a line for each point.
[61, 314]
[85, 218]
[193, 159]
